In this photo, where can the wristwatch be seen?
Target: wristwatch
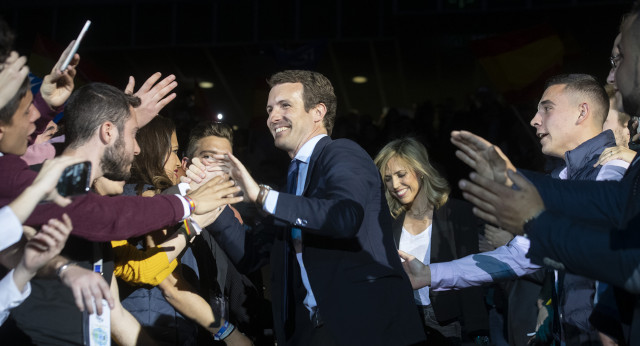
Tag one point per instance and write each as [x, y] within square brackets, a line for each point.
[262, 195]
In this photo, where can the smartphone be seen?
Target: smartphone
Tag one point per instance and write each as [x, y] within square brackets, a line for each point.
[75, 179]
[74, 49]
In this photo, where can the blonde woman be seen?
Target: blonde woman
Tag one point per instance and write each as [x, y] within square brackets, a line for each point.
[434, 228]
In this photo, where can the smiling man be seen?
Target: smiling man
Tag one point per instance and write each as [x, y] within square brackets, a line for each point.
[336, 277]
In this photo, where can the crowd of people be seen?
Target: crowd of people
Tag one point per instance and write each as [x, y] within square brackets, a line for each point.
[362, 248]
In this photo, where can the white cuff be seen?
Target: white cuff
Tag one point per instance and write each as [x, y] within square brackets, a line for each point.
[10, 296]
[195, 225]
[185, 206]
[11, 230]
[271, 202]
[184, 187]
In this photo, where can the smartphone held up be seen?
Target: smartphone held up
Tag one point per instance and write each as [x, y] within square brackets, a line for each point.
[74, 48]
[75, 180]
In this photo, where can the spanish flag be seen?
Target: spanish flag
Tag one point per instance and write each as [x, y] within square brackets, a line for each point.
[519, 62]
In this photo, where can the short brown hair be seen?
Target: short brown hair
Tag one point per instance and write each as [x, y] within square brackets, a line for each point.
[587, 85]
[91, 106]
[316, 89]
[206, 129]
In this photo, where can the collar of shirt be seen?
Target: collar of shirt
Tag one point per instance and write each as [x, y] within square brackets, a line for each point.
[304, 156]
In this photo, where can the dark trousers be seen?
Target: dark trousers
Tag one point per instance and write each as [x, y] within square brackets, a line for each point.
[448, 333]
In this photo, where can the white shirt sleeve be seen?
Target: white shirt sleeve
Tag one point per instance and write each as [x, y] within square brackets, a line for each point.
[10, 297]
[612, 170]
[184, 188]
[506, 262]
[11, 230]
[270, 202]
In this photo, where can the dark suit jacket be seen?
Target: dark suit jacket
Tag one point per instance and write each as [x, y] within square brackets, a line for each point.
[454, 234]
[591, 229]
[575, 231]
[363, 294]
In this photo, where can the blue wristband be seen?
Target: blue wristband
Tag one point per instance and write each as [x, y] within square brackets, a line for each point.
[224, 331]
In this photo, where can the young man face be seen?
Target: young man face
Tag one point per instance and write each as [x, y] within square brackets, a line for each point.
[290, 124]
[555, 121]
[206, 148]
[118, 157]
[14, 137]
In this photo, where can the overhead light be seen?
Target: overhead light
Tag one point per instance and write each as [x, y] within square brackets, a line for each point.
[205, 84]
[219, 116]
[235, 127]
[359, 79]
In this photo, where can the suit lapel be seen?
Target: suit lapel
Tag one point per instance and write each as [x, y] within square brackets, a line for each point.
[322, 143]
[441, 235]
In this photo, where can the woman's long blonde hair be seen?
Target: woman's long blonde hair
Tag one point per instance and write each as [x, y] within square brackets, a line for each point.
[414, 154]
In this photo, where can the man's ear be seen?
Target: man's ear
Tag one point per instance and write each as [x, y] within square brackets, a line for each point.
[2, 131]
[585, 112]
[185, 163]
[318, 112]
[108, 132]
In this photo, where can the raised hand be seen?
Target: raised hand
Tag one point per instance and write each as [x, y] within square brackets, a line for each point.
[214, 194]
[501, 205]
[241, 175]
[41, 249]
[48, 176]
[12, 74]
[153, 96]
[482, 156]
[57, 86]
[47, 243]
[201, 171]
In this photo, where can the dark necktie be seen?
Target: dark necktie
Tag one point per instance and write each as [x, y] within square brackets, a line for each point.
[292, 184]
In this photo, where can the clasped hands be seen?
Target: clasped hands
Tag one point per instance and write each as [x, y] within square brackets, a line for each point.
[226, 165]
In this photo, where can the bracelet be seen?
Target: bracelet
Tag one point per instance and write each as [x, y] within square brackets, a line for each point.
[224, 331]
[262, 195]
[64, 267]
[188, 232]
[192, 204]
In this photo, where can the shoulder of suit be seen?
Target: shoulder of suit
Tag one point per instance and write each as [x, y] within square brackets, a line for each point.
[342, 144]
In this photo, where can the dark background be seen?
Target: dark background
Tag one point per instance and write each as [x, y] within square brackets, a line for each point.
[421, 59]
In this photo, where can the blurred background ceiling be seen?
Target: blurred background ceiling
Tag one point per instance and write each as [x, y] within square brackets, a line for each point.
[408, 51]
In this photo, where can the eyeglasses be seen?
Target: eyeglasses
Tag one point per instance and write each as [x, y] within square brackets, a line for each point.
[615, 60]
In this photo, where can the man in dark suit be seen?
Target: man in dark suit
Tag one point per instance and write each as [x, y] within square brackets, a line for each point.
[336, 276]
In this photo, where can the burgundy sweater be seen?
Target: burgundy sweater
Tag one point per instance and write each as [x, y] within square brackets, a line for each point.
[94, 217]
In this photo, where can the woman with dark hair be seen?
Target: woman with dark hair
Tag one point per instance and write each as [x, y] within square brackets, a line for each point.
[434, 228]
[158, 309]
[156, 167]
